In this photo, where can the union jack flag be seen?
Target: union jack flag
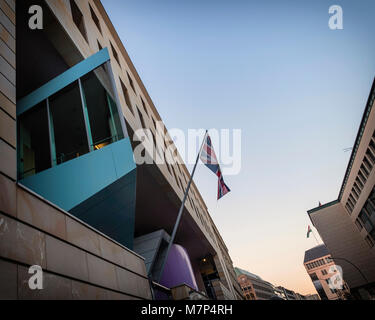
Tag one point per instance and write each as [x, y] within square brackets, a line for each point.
[208, 157]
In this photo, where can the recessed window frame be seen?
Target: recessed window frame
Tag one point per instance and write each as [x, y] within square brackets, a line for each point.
[115, 54]
[78, 19]
[125, 93]
[95, 19]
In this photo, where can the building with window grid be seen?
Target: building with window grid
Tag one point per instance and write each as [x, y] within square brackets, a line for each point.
[318, 263]
[347, 225]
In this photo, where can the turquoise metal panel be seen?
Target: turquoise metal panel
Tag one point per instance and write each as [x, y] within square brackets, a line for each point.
[69, 184]
[62, 80]
[112, 210]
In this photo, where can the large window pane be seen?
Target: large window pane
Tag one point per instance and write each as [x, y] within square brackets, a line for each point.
[102, 112]
[34, 146]
[68, 124]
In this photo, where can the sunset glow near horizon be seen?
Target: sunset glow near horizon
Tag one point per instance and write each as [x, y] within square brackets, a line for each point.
[295, 88]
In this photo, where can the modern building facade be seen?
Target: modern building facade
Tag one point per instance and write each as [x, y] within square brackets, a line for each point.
[253, 286]
[288, 294]
[347, 225]
[320, 267]
[73, 198]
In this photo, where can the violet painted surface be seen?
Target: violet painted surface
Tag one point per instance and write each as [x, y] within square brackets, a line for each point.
[178, 269]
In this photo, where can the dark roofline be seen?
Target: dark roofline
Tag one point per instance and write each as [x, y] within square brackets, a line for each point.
[358, 139]
[323, 206]
[316, 252]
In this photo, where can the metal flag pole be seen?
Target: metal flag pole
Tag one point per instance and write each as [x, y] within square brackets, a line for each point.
[181, 210]
[317, 242]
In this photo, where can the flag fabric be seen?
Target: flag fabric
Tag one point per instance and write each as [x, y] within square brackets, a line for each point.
[208, 157]
[308, 232]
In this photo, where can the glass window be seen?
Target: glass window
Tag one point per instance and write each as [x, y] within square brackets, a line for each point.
[105, 126]
[314, 277]
[359, 182]
[365, 171]
[369, 208]
[34, 146]
[370, 153]
[372, 234]
[367, 163]
[365, 221]
[358, 224]
[372, 195]
[360, 174]
[357, 188]
[352, 199]
[68, 124]
[356, 195]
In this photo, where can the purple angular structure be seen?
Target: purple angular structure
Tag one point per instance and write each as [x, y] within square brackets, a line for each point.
[178, 269]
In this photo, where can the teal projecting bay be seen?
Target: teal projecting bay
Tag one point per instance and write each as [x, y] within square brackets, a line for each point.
[84, 186]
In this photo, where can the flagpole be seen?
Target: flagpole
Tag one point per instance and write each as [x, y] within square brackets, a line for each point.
[181, 211]
[315, 237]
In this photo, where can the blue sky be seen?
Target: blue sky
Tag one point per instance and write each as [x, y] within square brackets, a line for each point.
[295, 88]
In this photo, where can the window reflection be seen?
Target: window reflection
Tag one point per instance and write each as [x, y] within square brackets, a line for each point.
[34, 146]
[102, 113]
[69, 124]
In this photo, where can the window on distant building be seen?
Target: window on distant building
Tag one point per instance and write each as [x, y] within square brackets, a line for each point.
[314, 277]
[367, 162]
[366, 221]
[78, 18]
[359, 182]
[356, 195]
[370, 241]
[358, 224]
[357, 188]
[365, 171]
[361, 175]
[371, 152]
[324, 272]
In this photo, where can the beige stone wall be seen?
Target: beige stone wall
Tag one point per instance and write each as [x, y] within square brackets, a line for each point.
[78, 261]
[343, 240]
[7, 91]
